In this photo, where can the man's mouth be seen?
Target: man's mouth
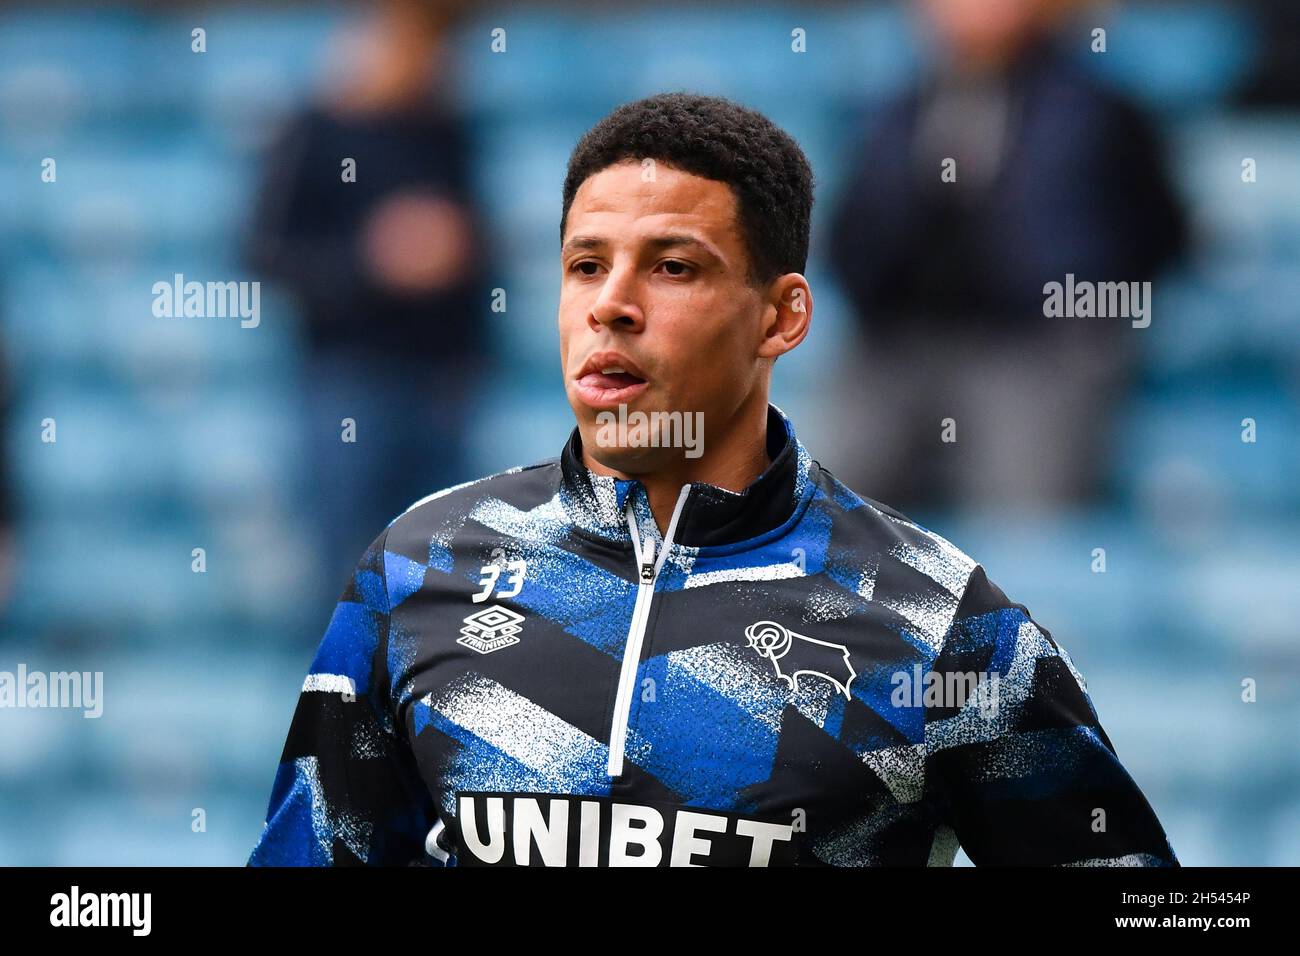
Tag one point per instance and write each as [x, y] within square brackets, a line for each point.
[608, 379]
[612, 376]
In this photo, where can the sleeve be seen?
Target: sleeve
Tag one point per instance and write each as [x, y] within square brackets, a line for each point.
[347, 791]
[295, 235]
[873, 232]
[1129, 218]
[1023, 772]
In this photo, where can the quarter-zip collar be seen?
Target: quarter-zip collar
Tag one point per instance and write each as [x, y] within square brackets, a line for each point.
[710, 515]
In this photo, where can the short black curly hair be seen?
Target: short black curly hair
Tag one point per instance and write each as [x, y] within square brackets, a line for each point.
[715, 138]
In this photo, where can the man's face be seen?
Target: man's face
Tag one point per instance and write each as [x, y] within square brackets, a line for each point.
[656, 312]
[987, 30]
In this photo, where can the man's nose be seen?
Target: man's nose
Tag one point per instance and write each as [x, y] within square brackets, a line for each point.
[618, 305]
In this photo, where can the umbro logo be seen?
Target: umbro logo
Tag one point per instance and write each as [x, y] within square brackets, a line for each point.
[491, 629]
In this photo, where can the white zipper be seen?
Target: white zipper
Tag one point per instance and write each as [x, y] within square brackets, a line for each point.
[648, 566]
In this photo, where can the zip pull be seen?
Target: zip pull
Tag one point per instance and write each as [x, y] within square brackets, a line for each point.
[648, 561]
[645, 554]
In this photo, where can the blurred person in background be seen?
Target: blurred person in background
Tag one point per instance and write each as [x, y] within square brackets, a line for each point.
[1054, 174]
[385, 267]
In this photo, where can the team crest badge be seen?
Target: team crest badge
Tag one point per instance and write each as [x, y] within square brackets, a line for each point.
[795, 655]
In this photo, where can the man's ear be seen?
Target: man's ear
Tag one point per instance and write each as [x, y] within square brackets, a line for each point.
[787, 316]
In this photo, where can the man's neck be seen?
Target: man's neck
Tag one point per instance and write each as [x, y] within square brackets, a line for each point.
[732, 461]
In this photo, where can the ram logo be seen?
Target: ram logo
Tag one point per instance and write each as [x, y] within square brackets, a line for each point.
[795, 654]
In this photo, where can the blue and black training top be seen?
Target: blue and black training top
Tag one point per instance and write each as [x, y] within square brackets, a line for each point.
[524, 671]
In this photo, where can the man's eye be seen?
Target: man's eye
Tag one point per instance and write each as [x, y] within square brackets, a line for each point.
[676, 268]
[586, 267]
